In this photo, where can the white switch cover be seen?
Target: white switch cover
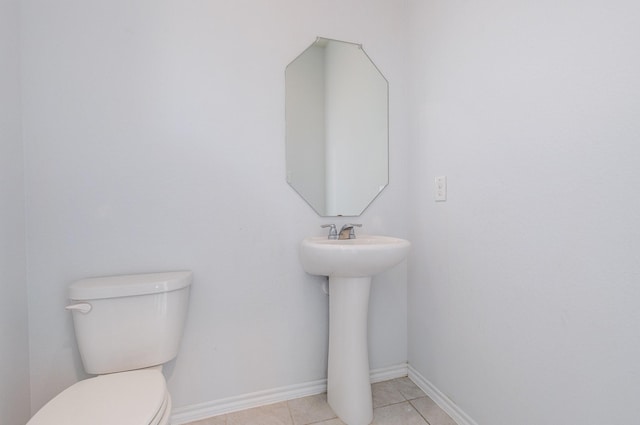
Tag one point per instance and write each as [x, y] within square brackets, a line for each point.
[441, 188]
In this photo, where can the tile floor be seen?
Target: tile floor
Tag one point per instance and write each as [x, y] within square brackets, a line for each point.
[395, 402]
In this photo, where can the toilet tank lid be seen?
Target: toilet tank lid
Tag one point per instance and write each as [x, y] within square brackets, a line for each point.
[129, 285]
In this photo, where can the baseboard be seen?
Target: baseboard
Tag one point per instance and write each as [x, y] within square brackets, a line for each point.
[452, 409]
[196, 412]
[387, 373]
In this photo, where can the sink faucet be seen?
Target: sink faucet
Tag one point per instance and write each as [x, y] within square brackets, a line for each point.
[347, 231]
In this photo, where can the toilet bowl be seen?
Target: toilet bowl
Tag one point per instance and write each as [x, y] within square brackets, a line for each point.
[127, 327]
[138, 397]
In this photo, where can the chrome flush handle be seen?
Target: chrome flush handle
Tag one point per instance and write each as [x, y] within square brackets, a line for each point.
[83, 308]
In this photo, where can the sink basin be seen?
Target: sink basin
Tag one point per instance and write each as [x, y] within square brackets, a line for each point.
[367, 255]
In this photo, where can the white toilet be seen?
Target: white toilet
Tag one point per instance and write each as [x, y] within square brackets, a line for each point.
[126, 328]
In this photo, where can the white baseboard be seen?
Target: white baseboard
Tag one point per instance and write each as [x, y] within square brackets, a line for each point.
[386, 373]
[196, 412]
[440, 399]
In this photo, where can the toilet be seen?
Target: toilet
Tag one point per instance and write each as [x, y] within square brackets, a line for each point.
[126, 327]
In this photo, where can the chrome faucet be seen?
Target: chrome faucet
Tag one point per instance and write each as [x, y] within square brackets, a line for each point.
[333, 232]
[347, 231]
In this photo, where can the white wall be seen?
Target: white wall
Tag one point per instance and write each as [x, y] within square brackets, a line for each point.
[154, 137]
[523, 294]
[154, 140]
[14, 346]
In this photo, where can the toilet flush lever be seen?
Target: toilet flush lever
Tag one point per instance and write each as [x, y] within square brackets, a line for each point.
[83, 308]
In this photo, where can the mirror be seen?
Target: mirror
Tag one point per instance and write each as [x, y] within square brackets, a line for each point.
[337, 133]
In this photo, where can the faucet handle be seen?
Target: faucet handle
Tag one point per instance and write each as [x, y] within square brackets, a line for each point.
[333, 232]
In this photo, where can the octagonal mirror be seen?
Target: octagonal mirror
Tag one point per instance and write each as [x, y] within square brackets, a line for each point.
[336, 128]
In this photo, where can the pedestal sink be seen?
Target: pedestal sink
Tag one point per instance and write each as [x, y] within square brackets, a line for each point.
[350, 263]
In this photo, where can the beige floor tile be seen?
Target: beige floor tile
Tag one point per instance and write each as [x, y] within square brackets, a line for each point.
[396, 414]
[432, 412]
[273, 414]
[309, 410]
[408, 389]
[216, 420]
[386, 393]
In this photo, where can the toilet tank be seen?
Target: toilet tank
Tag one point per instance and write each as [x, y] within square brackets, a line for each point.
[131, 321]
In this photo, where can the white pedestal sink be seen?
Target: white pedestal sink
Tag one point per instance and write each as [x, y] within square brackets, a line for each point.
[350, 263]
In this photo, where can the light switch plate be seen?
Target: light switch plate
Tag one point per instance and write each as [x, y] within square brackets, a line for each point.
[441, 188]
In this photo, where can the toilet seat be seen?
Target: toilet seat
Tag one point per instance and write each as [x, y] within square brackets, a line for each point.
[137, 397]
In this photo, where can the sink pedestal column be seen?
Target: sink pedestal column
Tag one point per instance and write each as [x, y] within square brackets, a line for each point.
[348, 382]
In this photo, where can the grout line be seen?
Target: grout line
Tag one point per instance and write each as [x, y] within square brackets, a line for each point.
[416, 409]
[290, 414]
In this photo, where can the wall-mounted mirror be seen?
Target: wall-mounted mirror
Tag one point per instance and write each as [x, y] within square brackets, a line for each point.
[337, 134]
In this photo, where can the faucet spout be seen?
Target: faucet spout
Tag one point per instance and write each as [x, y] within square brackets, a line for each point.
[347, 231]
